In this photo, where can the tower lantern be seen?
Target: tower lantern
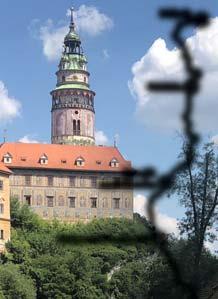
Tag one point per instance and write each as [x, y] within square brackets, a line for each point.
[73, 114]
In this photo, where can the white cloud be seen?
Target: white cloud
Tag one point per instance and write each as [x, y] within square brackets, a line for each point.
[9, 106]
[106, 54]
[101, 138]
[91, 21]
[162, 111]
[164, 222]
[52, 39]
[88, 20]
[27, 139]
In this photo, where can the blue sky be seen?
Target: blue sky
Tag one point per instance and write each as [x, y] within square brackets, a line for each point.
[29, 76]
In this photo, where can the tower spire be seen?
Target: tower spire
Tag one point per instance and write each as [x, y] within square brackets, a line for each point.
[72, 24]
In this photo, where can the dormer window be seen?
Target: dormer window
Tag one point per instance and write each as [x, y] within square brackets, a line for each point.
[80, 161]
[7, 159]
[114, 163]
[43, 159]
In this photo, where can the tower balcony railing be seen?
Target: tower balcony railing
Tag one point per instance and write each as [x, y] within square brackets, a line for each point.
[76, 132]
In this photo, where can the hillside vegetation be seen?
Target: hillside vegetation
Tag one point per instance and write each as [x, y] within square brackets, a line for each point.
[103, 259]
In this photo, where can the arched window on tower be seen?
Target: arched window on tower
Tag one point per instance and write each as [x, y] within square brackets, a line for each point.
[63, 79]
[74, 127]
[78, 127]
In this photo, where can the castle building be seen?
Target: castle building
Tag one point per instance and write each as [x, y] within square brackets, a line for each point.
[63, 180]
[4, 206]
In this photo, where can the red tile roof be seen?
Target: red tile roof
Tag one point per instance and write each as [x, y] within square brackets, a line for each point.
[4, 169]
[62, 157]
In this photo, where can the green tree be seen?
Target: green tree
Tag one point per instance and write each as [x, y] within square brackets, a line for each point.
[148, 277]
[14, 284]
[197, 189]
[22, 217]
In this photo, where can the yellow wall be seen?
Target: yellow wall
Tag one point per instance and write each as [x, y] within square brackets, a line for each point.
[5, 216]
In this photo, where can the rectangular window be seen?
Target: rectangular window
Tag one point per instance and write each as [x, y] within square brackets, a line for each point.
[72, 202]
[28, 180]
[1, 234]
[1, 185]
[50, 201]
[50, 181]
[72, 181]
[93, 202]
[27, 200]
[116, 203]
[94, 182]
[1, 208]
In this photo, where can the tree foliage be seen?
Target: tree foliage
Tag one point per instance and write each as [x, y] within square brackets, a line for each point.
[44, 267]
[197, 188]
[14, 284]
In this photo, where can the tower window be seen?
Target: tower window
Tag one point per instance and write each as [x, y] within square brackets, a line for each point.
[1, 234]
[63, 79]
[1, 185]
[74, 127]
[78, 127]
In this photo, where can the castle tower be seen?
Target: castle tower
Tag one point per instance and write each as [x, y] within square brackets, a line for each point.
[73, 114]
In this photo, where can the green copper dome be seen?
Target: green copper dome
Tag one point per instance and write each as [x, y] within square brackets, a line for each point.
[72, 35]
[72, 73]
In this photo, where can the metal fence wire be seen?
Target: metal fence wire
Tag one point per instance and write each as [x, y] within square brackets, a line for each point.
[149, 178]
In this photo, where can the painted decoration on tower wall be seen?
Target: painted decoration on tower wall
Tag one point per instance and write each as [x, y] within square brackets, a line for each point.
[60, 124]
